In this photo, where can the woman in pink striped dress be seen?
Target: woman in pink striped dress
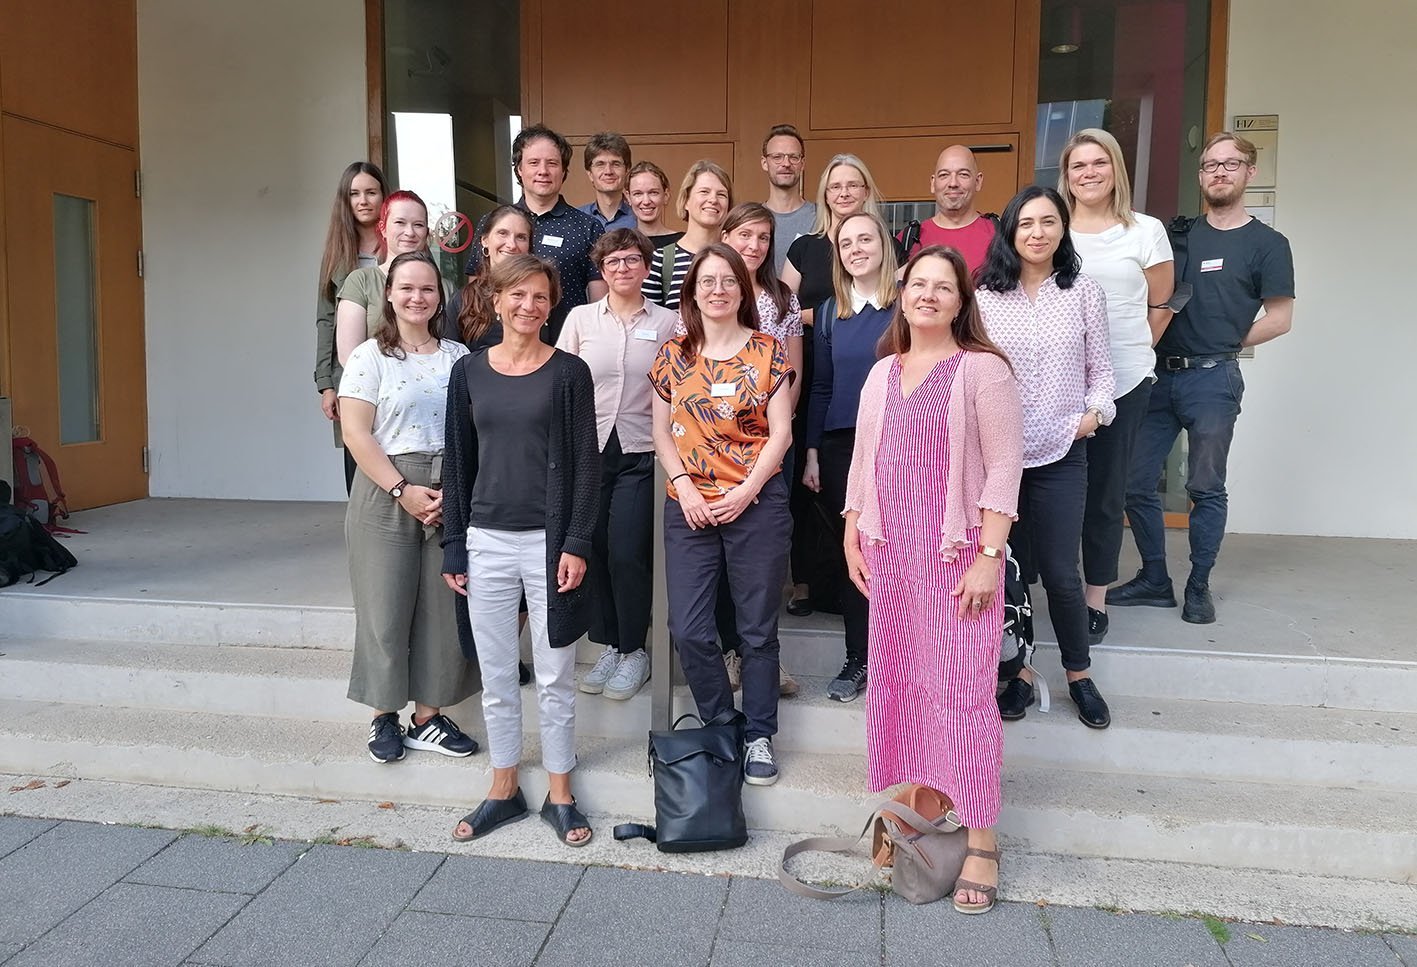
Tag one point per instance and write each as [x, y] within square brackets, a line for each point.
[930, 498]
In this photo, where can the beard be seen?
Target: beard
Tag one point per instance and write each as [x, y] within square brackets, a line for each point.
[1222, 194]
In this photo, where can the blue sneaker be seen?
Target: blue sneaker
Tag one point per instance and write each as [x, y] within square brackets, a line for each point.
[759, 769]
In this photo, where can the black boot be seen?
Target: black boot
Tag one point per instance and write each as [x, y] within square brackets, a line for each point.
[1096, 626]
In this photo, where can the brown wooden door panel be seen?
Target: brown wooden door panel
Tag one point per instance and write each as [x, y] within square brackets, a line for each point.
[860, 81]
[591, 82]
[97, 216]
[73, 64]
[902, 167]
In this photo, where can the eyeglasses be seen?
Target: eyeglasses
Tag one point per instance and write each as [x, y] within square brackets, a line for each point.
[782, 156]
[845, 188]
[1232, 164]
[708, 283]
[628, 261]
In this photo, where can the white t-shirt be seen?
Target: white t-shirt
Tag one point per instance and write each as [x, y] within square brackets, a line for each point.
[410, 395]
[1118, 259]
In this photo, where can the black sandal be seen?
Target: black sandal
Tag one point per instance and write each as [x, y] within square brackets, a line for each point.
[565, 817]
[491, 813]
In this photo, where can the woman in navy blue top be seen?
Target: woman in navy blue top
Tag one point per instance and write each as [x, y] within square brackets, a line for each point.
[848, 327]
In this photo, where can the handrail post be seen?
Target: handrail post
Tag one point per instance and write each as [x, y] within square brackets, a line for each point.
[664, 662]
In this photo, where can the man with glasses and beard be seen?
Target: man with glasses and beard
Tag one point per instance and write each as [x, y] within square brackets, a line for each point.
[1235, 266]
[784, 157]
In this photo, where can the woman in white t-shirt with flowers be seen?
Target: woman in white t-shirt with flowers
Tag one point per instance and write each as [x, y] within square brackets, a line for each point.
[392, 399]
[1129, 254]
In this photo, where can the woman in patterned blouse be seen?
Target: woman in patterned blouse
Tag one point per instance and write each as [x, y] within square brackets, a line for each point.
[1051, 321]
[720, 429]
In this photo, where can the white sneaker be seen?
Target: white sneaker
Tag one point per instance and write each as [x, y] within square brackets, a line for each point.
[593, 683]
[734, 666]
[630, 676]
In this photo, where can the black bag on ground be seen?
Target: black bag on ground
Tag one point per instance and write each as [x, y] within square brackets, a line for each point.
[26, 547]
[698, 787]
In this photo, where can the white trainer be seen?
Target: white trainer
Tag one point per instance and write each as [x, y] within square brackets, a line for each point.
[630, 676]
[593, 682]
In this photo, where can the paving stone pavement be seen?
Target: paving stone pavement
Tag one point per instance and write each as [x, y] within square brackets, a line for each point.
[77, 894]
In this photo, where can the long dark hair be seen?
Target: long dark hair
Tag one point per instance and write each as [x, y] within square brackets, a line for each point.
[1002, 265]
[342, 237]
[967, 326]
[387, 335]
[693, 339]
[750, 213]
[476, 316]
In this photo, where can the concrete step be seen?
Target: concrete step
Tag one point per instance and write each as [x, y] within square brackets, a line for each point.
[1211, 740]
[811, 647]
[1238, 825]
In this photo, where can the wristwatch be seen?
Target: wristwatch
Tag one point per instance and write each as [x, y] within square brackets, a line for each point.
[988, 551]
[396, 491]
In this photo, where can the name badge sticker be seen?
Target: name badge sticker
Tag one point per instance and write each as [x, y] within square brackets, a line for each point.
[646, 334]
[553, 240]
[1212, 265]
[723, 389]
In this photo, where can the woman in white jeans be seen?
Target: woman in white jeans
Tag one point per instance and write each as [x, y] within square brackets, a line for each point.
[521, 488]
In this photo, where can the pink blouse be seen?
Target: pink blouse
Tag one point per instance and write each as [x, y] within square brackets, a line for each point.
[1059, 349]
[985, 443]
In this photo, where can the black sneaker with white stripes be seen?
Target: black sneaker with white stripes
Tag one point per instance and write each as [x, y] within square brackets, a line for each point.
[439, 734]
[386, 738]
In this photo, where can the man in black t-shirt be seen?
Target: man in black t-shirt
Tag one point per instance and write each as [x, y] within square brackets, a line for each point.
[1235, 265]
[561, 234]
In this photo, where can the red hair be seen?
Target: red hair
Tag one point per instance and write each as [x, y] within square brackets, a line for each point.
[403, 194]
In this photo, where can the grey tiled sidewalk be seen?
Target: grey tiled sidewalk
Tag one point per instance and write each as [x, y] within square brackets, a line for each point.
[82, 894]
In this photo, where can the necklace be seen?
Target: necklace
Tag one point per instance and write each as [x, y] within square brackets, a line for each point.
[416, 348]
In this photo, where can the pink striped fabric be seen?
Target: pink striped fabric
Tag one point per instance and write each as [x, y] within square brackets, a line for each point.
[931, 717]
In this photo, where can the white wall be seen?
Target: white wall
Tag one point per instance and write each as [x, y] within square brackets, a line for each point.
[249, 112]
[1327, 442]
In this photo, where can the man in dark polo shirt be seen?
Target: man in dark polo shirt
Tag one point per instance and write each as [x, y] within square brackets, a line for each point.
[1235, 265]
[540, 158]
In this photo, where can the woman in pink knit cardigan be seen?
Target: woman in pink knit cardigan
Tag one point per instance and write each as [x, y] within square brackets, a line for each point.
[930, 498]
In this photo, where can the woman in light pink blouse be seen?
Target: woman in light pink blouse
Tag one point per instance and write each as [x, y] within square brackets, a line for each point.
[1051, 321]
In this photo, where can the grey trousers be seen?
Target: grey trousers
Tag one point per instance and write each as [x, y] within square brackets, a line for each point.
[405, 628]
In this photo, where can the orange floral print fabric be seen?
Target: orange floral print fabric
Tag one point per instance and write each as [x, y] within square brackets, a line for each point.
[718, 408]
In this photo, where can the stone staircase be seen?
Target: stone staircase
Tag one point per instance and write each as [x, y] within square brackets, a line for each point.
[1291, 765]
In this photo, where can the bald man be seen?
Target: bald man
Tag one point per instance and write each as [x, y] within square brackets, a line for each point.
[956, 223]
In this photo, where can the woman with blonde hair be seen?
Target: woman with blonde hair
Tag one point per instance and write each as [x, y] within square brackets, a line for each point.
[931, 495]
[1129, 255]
[705, 196]
[847, 332]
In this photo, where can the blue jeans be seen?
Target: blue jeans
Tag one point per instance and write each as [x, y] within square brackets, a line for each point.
[1204, 402]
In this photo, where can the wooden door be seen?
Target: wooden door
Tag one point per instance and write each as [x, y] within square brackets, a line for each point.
[75, 300]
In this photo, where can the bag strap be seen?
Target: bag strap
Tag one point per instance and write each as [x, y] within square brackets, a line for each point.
[824, 844]
[666, 269]
[626, 831]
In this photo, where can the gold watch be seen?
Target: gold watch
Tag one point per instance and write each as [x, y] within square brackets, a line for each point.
[988, 551]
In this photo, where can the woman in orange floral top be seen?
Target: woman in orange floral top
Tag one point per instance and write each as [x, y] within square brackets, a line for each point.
[720, 429]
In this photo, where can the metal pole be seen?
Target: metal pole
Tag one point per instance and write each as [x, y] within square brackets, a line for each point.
[664, 662]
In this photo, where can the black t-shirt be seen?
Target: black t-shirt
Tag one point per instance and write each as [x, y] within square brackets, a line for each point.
[1231, 273]
[812, 256]
[512, 417]
[659, 241]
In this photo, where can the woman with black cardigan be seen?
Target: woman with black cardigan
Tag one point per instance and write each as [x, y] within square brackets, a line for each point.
[521, 488]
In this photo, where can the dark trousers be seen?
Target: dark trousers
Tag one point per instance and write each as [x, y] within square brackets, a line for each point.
[834, 463]
[753, 549]
[1204, 402]
[622, 565]
[809, 535]
[724, 615]
[349, 467]
[1045, 542]
[1109, 464]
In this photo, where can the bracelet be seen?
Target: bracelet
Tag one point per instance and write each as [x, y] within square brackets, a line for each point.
[678, 475]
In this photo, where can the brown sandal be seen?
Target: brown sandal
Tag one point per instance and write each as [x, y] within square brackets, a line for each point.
[991, 892]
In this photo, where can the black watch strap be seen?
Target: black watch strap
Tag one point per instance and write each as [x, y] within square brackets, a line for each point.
[396, 491]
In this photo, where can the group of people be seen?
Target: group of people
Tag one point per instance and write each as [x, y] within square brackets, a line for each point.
[982, 387]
